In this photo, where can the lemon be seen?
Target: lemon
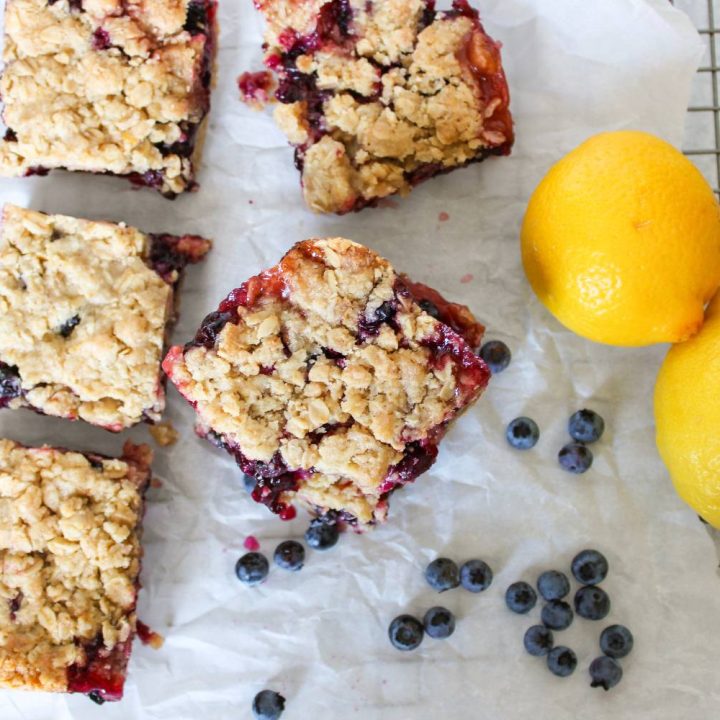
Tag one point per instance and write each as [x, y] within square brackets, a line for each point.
[687, 417]
[621, 241]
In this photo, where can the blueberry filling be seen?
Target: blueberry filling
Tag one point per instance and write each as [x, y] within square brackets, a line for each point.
[210, 328]
[66, 329]
[197, 17]
[430, 308]
[9, 384]
[96, 697]
[15, 605]
[370, 327]
[101, 39]
[10, 135]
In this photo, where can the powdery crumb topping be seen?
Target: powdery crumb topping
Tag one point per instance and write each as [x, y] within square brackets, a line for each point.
[69, 559]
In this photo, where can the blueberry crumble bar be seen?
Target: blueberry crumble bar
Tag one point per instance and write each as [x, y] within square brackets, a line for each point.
[69, 565]
[330, 379]
[84, 308]
[107, 86]
[379, 96]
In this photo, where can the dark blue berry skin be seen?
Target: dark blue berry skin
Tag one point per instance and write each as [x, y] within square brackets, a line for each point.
[522, 433]
[575, 458]
[439, 623]
[321, 535]
[268, 705]
[520, 597]
[442, 574]
[406, 632]
[553, 585]
[616, 641]
[561, 661]
[589, 567]
[586, 426]
[475, 576]
[290, 555]
[592, 603]
[252, 568]
[538, 640]
[249, 481]
[557, 615]
[605, 672]
[496, 355]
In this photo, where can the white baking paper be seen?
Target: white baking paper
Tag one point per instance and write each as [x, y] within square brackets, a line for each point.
[320, 636]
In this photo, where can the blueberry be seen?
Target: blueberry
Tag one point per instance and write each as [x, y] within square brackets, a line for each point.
[538, 640]
[268, 705]
[605, 672]
[321, 535]
[616, 641]
[557, 615]
[475, 576]
[496, 355]
[561, 661]
[522, 433]
[252, 568]
[430, 308]
[68, 326]
[592, 603]
[290, 555]
[575, 458]
[439, 622]
[553, 585]
[406, 632]
[520, 597]
[249, 481]
[586, 426]
[589, 567]
[96, 697]
[442, 574]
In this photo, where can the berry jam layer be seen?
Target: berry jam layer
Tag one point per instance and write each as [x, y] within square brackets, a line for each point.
[328, 381]
[85, 310]
[379, 96]
[119, 87]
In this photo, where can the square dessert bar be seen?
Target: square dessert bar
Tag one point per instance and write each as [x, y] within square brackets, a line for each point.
[69, 565]
[107, 86]
[331, 379]
[84, 308]
[379, 96]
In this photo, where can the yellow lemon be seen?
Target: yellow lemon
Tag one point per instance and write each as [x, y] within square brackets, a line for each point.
[687, 417]
[621, 241]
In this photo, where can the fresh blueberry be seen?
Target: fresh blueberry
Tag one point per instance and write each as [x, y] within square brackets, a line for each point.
[586, 426]
[575, 458]
[268, 705]
[561, 661]
[249, 481]
[616, 641]
[520, 597]
[592, 602]
[553, 585]
[290, 555]
[321, 535]
[496, 355]
[605, 672]
[252, 568]
[475, 576]
[538, 640]
[522, 433]
[96, 697]
[589, 567]
[439, 622]
[557, 615]
[406, 632]
[442, 574]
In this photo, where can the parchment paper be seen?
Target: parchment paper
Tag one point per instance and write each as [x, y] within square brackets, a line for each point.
[320, 636]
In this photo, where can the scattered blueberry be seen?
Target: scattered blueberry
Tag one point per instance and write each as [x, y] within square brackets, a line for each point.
[439, 622]
[575, 458]
[520, 597]
[321, 535]
[252, 568]
[605, 672]
[616, 641]
[522, 433]
[561, 661]
[586, 426]
[96, 697]
[406, 632]
[589, 567]
[442, 574]
[538, 640]
[557, 615]
[290, 555]
[592, 603]
[475, 576]
[268, 705]
[553, 585]
[249, 481]
[430, 308]
[496, 355]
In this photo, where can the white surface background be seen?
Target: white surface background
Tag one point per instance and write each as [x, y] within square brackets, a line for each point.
[319, 636]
